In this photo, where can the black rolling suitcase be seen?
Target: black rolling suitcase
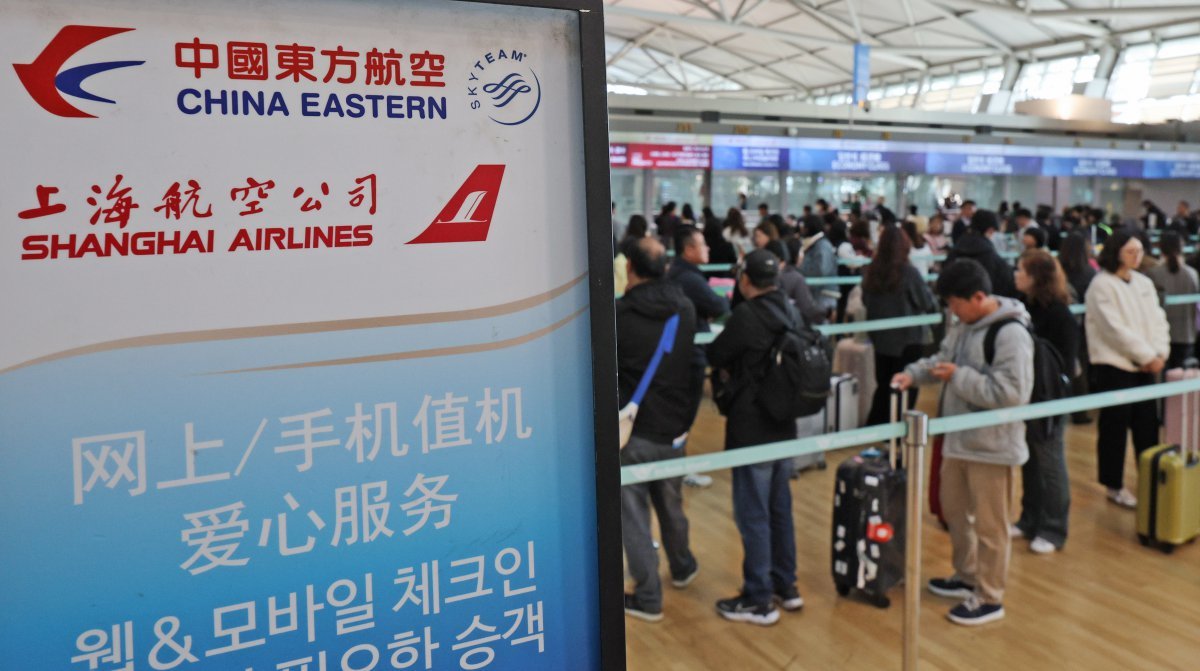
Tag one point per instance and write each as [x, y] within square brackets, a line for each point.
[868, 523]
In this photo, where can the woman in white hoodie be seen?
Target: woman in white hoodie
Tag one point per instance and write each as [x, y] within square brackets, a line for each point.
[1128, 342]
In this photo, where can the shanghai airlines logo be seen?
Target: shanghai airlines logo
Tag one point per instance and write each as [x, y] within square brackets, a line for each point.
[46, 81]
[503, 84]
[468, 215]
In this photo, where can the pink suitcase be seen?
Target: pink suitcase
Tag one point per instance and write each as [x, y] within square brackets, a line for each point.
[1173, 408]
[856, 358]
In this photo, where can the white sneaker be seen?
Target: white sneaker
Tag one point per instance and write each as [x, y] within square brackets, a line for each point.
[698, 480]
[1042, 546]
[1014, 531]
[1123, 498]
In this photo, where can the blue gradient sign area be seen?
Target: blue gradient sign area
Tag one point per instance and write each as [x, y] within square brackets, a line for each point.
[1171, 169]
[726, 157]
[1059, 166]
[940, 163]
[854, 160]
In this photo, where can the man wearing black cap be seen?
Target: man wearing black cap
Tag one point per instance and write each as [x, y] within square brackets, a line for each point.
[762, 501]
[977, 245]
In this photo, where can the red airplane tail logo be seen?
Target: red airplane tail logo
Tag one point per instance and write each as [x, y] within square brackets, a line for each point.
[468, 215]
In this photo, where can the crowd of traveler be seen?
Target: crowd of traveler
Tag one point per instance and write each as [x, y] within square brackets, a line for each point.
[1126, 338]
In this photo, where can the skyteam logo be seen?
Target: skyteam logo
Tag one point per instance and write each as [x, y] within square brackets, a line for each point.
[46, 81]
[503, 85]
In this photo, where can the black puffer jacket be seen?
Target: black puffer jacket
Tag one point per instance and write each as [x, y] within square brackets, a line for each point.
[642, 313]
[977, 247]
[741, 349]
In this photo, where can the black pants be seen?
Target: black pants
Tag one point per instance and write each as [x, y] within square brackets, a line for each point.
[696, 375]
[1180, 352]
[1081, 383]
[886, 368]
[1046, 489]
[1117, 421]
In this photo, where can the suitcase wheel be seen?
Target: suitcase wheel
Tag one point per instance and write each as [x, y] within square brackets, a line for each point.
[842, 590]
[880, 601]
[1144, 540]
[1166, 548]
[822, 465]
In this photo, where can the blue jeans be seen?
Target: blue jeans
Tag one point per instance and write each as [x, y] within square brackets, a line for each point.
[762, 508]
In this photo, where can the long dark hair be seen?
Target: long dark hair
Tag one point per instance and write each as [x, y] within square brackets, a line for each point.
[910, 229]
[837, 231]
[735, 222]
[637, 228]
[1110, 255]
[1172, 248]
[812, 225]
[859, 228]
[1049, 281]
[769, 229]
[1072, 254]
[885, 274]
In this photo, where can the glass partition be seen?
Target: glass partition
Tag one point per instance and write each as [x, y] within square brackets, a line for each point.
[628, 193]
[929, 191]
[1023, 189]
[758, 187]
[681, 186]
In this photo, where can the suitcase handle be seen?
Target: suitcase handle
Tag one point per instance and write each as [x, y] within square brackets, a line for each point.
[899, 401]
[1191, 453]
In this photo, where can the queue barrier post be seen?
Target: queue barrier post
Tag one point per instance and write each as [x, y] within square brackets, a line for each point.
[915, 439]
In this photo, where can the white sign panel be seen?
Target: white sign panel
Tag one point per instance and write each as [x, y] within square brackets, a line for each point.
[295, 350]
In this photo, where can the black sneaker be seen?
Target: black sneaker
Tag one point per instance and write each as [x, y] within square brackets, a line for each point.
[951, 588]
[973, 612]
[741, 609]
[789, 599]
[635, 608]
[683, 582]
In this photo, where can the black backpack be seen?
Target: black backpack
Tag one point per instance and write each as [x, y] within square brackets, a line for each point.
[796, 380]
[1050, 381]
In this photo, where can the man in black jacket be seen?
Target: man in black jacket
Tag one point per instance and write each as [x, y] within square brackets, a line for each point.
[977, 245]
[963, 223]
[691, 252]
[762, 501]
[664, 413]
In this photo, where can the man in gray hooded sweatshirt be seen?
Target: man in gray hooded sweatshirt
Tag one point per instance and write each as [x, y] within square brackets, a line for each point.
[977, 467]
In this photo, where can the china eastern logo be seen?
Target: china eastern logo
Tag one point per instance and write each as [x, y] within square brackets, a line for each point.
[505, 87]
[46, 81]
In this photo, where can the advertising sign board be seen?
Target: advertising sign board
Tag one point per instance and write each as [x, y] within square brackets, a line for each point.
[300, 364]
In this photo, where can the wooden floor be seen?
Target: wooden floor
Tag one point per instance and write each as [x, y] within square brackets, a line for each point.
[1105, 602]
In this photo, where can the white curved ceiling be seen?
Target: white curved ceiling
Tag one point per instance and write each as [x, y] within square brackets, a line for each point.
[792, 48]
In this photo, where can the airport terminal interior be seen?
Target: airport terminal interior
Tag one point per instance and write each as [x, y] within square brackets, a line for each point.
[1079, 117]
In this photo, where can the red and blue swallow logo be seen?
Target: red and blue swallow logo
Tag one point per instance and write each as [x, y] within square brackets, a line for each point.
[46, 81]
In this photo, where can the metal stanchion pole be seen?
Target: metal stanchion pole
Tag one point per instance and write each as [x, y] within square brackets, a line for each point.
[915, 438]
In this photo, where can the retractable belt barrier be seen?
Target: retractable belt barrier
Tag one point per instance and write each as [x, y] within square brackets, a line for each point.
[923, 320]
[670, 468]
[858, 261]
[847, 280]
